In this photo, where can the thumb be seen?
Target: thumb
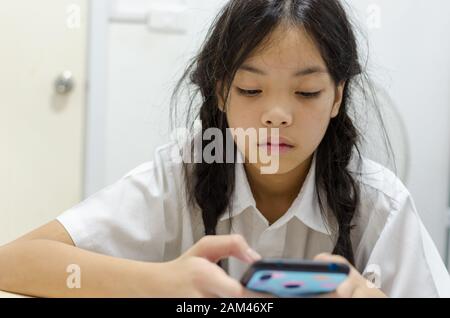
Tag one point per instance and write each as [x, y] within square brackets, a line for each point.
[217, 247]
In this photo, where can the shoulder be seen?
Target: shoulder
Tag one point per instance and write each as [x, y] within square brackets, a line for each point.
[383, 200]
[163, 172]
[377, 182]
[136, 216]
[390, 237]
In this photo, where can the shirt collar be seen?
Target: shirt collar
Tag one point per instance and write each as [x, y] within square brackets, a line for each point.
[305, 206]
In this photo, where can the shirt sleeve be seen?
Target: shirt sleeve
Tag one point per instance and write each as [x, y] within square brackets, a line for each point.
[127, 219]
[404, 261]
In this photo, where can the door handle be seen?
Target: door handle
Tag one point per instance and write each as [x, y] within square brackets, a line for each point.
[64, 83]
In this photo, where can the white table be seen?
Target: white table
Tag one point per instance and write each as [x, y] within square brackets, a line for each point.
[4, 294]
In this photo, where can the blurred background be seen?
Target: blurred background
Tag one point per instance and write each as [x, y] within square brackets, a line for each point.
[85, 92]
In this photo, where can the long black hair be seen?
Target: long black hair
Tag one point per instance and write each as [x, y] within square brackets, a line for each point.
[240, 28]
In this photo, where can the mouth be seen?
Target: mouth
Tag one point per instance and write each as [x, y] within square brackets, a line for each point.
[280, 148]
[268, 144]
[277, 142]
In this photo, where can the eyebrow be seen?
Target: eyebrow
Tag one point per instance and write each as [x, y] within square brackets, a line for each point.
[303, 72]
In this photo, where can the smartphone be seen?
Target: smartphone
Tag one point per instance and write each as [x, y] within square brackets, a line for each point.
[294, 278]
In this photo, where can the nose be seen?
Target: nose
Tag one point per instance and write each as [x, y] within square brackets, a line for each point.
[276, 118]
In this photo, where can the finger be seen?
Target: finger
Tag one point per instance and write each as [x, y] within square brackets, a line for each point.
[347, 288]
[328, 295]
[215, 248]
[219, 284]
[252, 294]
[326, 257]
[359, 293]
[322, 256]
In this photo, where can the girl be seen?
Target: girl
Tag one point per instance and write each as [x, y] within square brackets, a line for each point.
[287, 66]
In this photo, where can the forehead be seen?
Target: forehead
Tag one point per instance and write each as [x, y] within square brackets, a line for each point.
[288, 48]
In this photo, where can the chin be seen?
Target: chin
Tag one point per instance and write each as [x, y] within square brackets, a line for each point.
[281, 168]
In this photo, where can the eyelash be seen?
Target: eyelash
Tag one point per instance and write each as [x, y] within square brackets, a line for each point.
[309, 95]
[256, 92]
[248, 93]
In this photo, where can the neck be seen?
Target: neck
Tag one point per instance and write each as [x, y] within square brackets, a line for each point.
[273, 189]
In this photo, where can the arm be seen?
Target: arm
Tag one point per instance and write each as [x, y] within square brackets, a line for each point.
[37, 263]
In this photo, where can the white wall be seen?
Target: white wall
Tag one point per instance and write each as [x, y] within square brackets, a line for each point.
[411, 56]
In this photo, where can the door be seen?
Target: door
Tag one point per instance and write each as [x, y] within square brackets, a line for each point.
[41, 125]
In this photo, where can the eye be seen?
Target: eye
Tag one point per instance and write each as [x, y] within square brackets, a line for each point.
[308, 94]
[249, 92]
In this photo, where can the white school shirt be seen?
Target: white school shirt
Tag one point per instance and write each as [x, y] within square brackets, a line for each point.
[144, 217]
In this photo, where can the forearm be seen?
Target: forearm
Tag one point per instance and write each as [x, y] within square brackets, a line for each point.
[39, 268]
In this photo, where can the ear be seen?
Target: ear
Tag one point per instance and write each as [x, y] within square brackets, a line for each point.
[338, 99]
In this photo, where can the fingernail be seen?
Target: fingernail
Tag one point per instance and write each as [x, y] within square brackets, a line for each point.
[254, 256]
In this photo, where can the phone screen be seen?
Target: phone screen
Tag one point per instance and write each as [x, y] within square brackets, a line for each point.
[307, 280]
[294, 284]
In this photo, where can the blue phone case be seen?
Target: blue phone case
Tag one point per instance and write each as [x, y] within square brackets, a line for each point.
[301, 282]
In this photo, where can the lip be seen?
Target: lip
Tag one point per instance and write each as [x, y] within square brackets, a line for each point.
[281, 146]
[280, 149]
[280, 142]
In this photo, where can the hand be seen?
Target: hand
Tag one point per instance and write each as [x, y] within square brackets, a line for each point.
[356, 286]
[195, 273]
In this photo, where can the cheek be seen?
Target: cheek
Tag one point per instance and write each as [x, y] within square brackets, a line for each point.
[314, 120]
[240, 116]
[313, 128]
[310, 127]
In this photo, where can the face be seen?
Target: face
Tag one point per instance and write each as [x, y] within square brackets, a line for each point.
[285, 85]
